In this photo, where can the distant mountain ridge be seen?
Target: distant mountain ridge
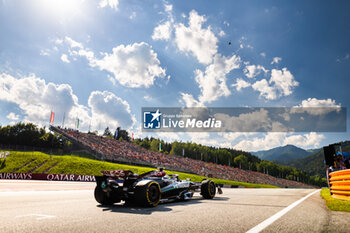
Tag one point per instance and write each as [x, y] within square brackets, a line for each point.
[284, 153]
[313, 163]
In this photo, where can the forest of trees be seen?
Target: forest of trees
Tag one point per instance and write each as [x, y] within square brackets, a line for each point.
[28, 134]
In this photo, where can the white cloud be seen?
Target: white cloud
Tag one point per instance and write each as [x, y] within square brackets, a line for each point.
[313, 102]
[240, 84]
[285, 116]
[252, 71]
[276, 60]
[107, 108]
[280, 84]
[85, 53]
[12, 116]
[72, 43]
[346, 57]
[222, 33]
[198, 135]
[148, 98]
[134, 65]
[133, 15]
[212, 82]
[111, 3]
[265, 90]
[242, 43]
[189, 101]
[58, 41]
[231, 136]
[45, 52]
[247, 141]
[37, 99]
[312, 140]
[64, 58]
[112, 80]
[315, 106]
[168, 7]
[263, 54]
[271, 140]
[162, 31]
[200, 42]
[203, 138]
[169, 136]
[283, 80]
[256, 121]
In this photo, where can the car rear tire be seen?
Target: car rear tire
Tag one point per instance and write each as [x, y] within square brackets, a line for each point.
[208, 189]
[103, 197]
[148, 194]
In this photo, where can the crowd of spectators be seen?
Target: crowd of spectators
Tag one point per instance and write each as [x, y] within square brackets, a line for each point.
[114, 150]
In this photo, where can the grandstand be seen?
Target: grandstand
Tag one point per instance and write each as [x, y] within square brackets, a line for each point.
[109, 149]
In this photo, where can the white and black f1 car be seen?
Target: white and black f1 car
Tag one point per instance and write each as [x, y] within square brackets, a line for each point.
[148, 189]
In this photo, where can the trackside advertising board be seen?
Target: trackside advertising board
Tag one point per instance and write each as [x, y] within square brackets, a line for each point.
[41, 176]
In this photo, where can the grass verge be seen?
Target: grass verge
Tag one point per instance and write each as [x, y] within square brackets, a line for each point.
[68, 164]
[334, 204]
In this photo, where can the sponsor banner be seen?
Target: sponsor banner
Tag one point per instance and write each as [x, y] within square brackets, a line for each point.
[244, 119]
[41, 176]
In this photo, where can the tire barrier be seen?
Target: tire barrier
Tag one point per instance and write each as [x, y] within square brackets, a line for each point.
[339, 182]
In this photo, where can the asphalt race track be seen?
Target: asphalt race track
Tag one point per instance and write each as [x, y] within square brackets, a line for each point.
[44, 206]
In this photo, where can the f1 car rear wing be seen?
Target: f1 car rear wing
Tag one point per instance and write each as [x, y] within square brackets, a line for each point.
[127, 173]
[118, 173]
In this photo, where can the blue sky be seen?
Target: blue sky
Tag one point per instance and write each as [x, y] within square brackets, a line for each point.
[101, 61]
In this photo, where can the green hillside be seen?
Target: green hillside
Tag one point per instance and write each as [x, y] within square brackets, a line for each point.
[37, 162]
[313, 164]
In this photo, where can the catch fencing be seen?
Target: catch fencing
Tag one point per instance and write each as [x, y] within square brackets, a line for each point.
[339, 182]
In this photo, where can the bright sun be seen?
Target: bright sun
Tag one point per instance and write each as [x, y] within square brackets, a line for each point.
[61, 8]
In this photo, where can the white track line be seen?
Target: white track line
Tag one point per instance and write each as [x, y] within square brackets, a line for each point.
[279, 214]
[38, 216]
